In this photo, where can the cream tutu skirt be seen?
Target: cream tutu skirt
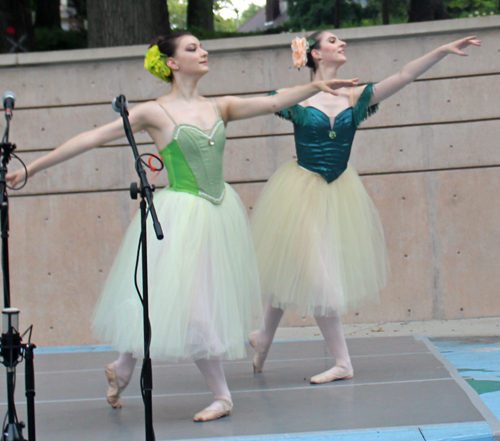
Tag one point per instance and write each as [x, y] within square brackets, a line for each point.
[204, 292]
[320, 247]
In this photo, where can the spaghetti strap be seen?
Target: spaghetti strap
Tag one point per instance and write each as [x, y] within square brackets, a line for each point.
[351, 95]
[168, 114]
[216, 107]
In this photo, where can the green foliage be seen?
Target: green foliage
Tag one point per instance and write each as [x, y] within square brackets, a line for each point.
[471, 8]
[224, 24]
[398, 9]
[304, 14]
[58, 39]
[177, 10]
[318, 14]
[221, 4]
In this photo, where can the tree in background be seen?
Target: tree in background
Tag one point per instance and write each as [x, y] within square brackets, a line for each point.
[200, 15]
[426, 10]
[160, 18]
[272, 10]
[48, 14]
[337, 15]
[385, 12]
[178, 14]
[16, 27]
[314, 14]
[388, 11]
[125, 22]
[472, 8]
[80, 16]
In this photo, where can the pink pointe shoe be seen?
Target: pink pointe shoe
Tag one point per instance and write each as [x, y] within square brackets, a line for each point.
[218, 409]
[260, 354]
[116, 386]
[334, 374]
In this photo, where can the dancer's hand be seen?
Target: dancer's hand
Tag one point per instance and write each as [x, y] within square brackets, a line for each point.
[457, 46]
[14, 178]
[330, 86]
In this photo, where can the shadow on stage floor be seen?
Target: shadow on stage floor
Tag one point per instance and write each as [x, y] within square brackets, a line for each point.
[399, 382]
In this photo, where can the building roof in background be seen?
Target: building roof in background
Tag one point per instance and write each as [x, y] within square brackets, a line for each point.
[258, 21]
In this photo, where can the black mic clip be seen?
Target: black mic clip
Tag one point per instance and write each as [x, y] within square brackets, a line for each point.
[119, 103]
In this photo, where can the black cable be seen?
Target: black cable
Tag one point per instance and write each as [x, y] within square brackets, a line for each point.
[136, 270]
[30, 330]
[4, 139]
[148, 324]
[4, 425]
[25, 173]
[146, 164]
[14, 394]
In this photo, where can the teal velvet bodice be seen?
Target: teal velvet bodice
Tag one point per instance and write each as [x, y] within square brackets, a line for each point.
[324, 144]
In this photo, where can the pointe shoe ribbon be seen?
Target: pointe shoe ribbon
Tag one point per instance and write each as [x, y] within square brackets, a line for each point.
[260, 355]
[334, 374]
[116, 385]
[210, 414]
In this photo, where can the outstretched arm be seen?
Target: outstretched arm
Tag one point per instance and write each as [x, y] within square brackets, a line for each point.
[81, 143]
[385, 88]
[234, 108]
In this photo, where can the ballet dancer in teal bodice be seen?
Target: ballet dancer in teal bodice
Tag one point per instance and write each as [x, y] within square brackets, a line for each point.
[318, 237]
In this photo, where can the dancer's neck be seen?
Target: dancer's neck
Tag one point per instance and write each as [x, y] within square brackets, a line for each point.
[185, 89]
[324, 73]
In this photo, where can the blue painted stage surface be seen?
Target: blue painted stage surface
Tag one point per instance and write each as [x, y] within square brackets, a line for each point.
[405, 389]
[477, 359]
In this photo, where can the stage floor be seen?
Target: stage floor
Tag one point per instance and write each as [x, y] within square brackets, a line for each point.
[403, 390]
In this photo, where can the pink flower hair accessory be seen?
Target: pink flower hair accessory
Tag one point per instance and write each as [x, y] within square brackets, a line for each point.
[300, 48]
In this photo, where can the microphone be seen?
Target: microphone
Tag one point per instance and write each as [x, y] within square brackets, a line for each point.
[9, 99]
[10, 342]
[118, 103]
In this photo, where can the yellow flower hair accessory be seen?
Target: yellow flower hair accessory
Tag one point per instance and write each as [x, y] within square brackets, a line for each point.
[300, 48]
[154, 61]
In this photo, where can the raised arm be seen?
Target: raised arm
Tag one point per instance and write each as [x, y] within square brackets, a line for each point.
[234, 108]
[83, 142]
[385, 88]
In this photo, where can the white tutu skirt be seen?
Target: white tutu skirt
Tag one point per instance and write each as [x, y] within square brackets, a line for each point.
[204, 293]
[320, 247]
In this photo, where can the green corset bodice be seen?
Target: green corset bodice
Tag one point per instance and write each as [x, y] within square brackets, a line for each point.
[194, 161]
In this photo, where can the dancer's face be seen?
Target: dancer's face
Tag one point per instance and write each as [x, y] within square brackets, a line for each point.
[190, 58]
[331, 49]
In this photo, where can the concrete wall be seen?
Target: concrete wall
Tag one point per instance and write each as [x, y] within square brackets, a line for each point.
[430, 160]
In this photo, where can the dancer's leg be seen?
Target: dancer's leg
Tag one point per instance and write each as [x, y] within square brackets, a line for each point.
[331, 328]
[213, 372]
[262, 339]
[118, 374]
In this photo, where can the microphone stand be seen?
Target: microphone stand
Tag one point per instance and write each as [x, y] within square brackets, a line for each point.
[12, 350]
[146, 192]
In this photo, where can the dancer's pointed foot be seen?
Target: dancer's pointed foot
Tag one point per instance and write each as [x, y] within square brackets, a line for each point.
[116, 386]
[218, 409]
[333, 374]
[260, 353]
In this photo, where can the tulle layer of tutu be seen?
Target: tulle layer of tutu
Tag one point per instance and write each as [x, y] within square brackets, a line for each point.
[320, 247]
[204, 293]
